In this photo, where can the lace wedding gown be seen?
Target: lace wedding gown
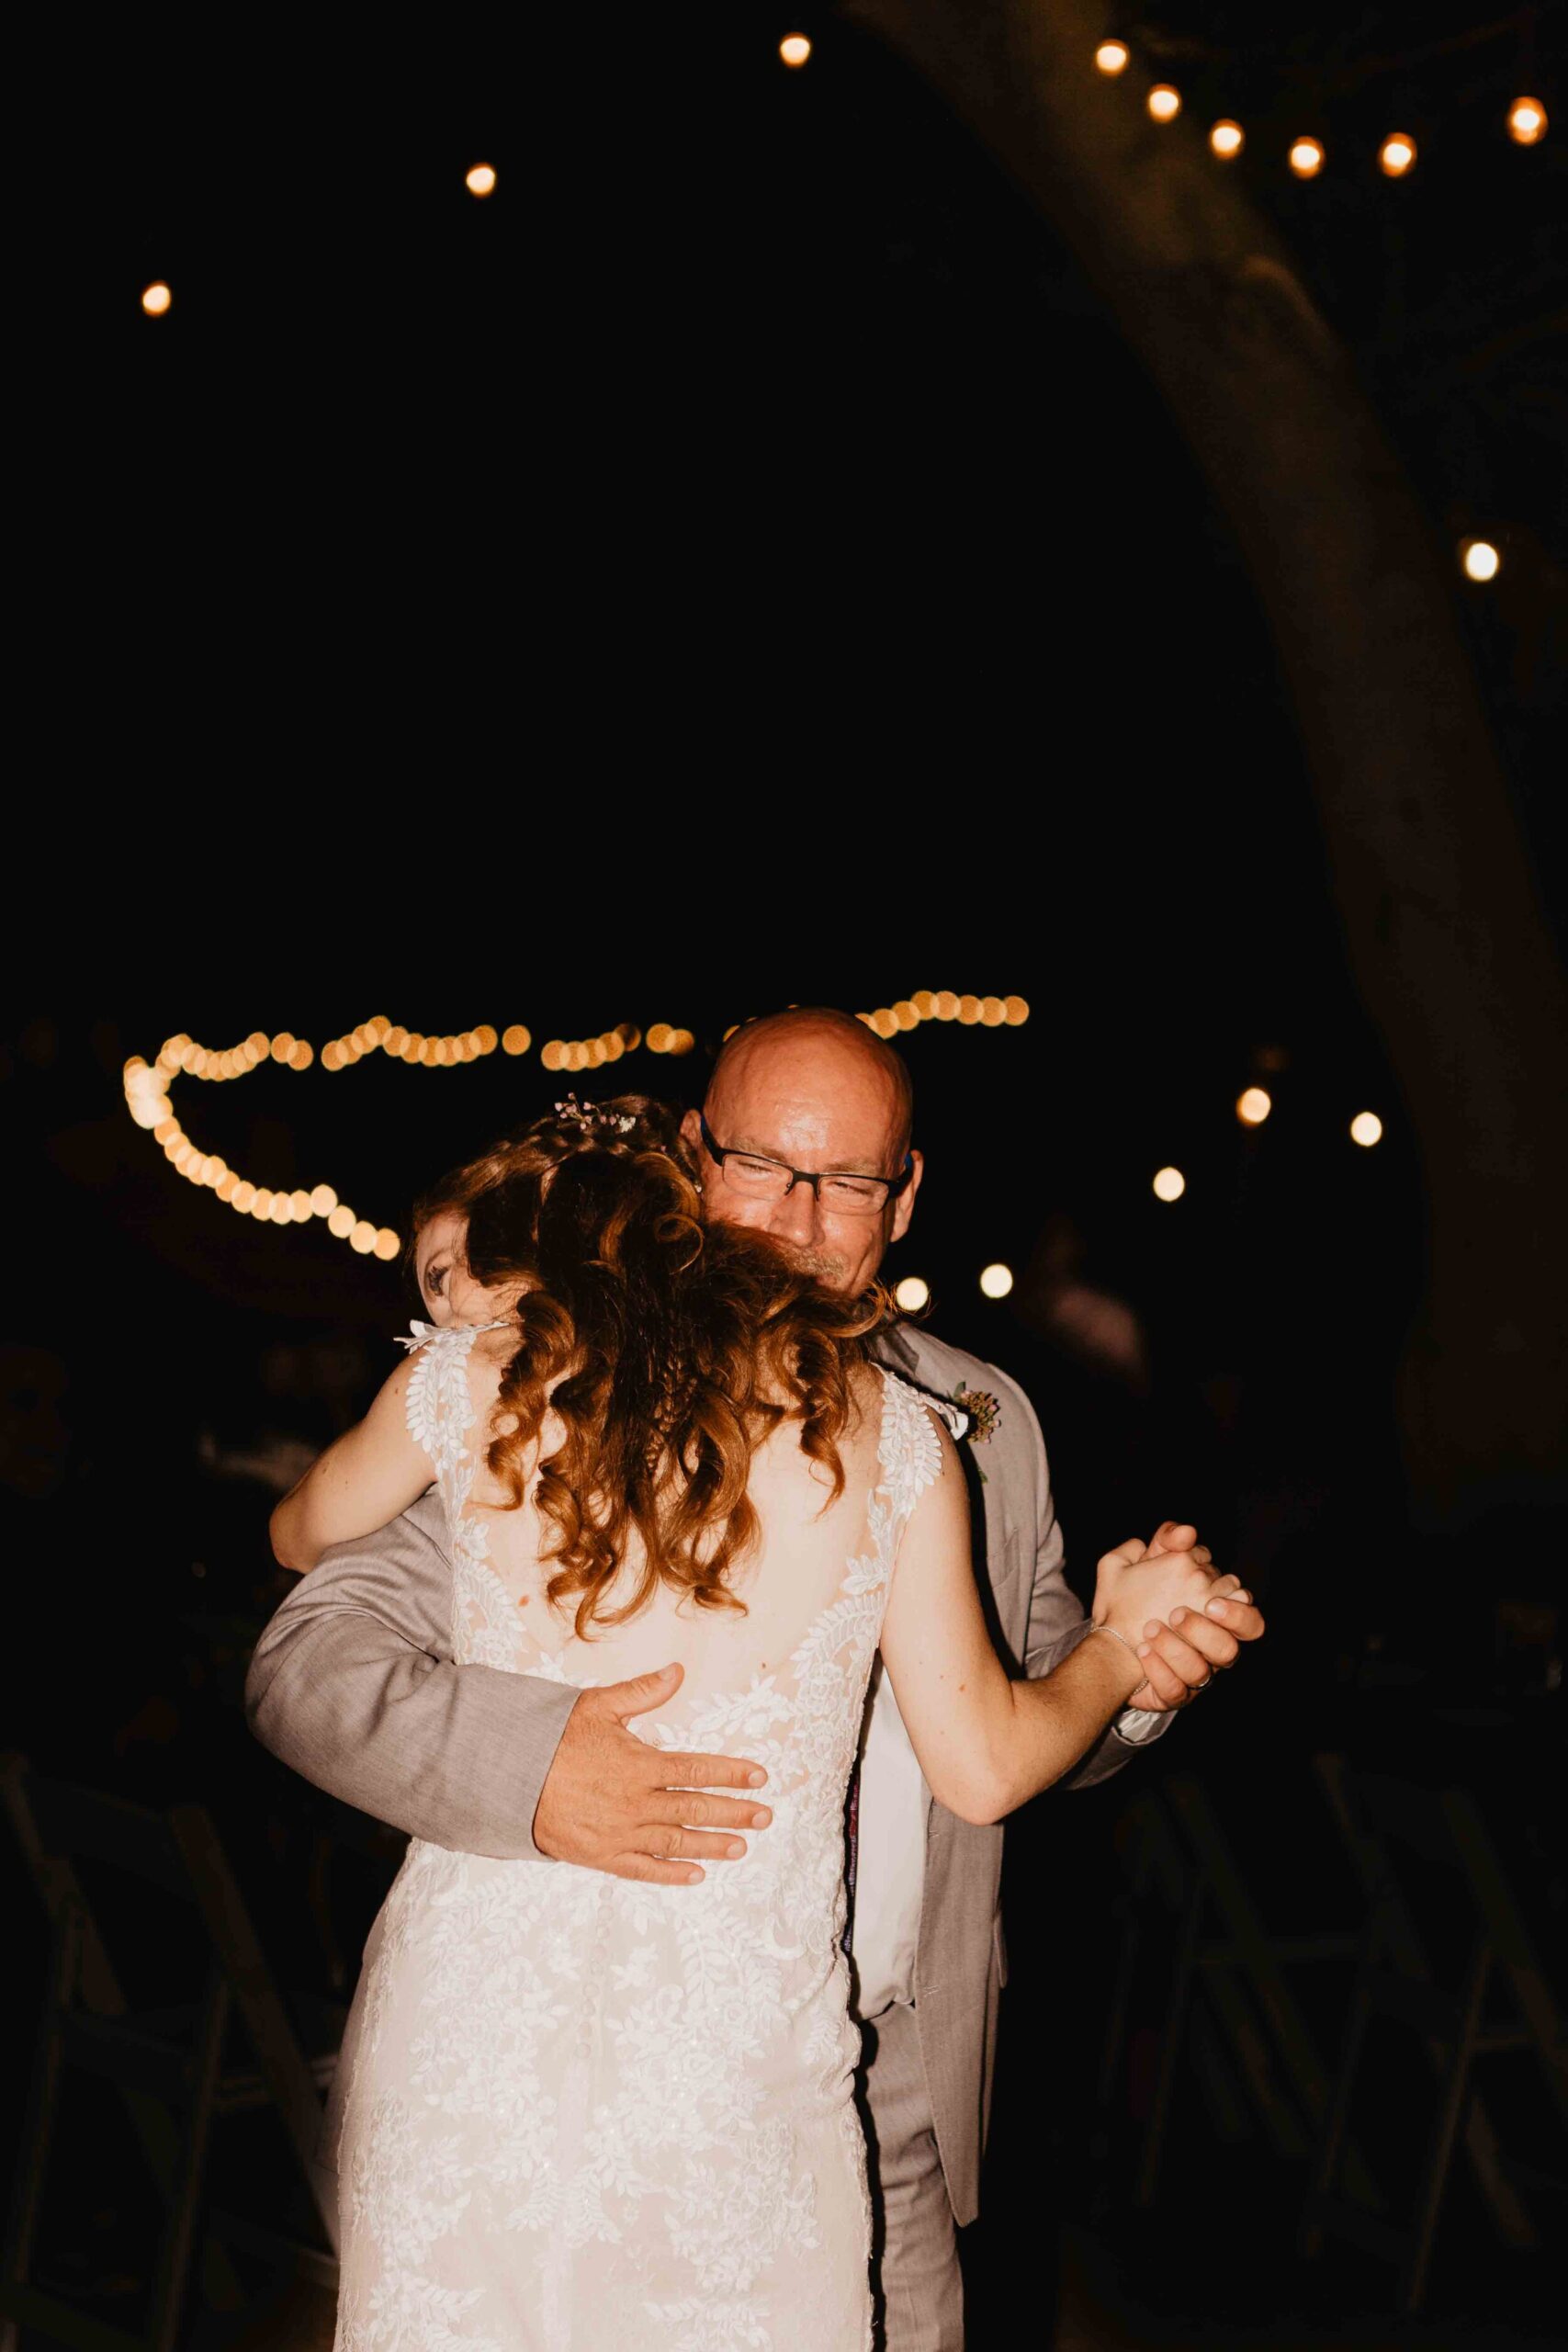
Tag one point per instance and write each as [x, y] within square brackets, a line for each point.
[589, 2115]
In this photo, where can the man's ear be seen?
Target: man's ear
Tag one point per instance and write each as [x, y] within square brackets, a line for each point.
[691, 1129]
[904, 1206]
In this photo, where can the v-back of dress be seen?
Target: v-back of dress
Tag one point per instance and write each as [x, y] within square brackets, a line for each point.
[590, 2115]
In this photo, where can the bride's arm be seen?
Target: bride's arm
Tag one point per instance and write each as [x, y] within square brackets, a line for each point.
[985, 1742]
[361, 1481]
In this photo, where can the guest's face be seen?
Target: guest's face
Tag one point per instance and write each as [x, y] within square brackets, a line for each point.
[814, 1100]
[441, 1269]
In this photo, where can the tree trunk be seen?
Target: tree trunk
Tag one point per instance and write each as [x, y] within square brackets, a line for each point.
[1447, 941]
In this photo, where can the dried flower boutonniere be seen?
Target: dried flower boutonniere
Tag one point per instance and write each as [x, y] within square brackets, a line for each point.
[985, 1415]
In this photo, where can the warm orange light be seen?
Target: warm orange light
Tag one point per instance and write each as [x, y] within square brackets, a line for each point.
[480, 180]
[387, 1243]
[1526, 121]
[946, 1005]
[996, 1281]
[515, 1040]
[341, 1222]
[1227, 139]
[794, 49]
[1307, 158]
[993, 1011]
[912, 1294]
[1365, 1128]
[362, 1238]
[1253, 1107]
[323, 1199]
[1164, 103]
[1479, 559]
[1017, 1011]
[1169, 1184]
[1396, 154]
[1112, 57]
[157, 299]
[968, 1010]
[659, 1037]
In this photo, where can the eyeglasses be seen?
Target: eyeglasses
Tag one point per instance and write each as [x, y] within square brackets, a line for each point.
[760, 1179]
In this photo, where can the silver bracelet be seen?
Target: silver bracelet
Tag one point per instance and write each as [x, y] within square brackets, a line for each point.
[1096, 1627]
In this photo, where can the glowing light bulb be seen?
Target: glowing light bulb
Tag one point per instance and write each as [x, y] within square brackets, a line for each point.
[323, 1199]
[682, 1042]
[1526, 121]
[1112, 57]
[993, 1011]
[1396, 154]
[1480, 559]
[515, 1040]
[946, 1005]
[996, 1281]
[1365, 1128]
[480, 180]
[1169, 1184]
[387, 1243]
[1017, 1011]
[341, 1222]
[1307, 158]
[1254, 1106]
[300, 1203]
[1164, 103]
[362, 1239]
[903, 1015]
[794, 49]
[912, 1294]
[1227, 139]
[659, 1037]
[157, 299]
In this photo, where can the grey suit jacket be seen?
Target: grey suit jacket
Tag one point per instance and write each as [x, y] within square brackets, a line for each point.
[353, 1684]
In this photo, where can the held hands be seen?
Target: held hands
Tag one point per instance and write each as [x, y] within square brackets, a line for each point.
[613, 1803]
[1185, 1621]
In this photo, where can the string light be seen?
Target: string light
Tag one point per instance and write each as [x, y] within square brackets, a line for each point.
[912, 1294]
[1169, 1184]
[794, 49]
[1227, 139]
[1254, 1106]
[1111, 56]
[1164, 103]
[1397, 153]
[1365, 1128]
[1307, 158]
[996, 1281]
[1526, 121]
[1479, 560]
[157, 299]
[480, 180]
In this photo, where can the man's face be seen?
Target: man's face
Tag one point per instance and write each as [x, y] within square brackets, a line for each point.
[813, 1104]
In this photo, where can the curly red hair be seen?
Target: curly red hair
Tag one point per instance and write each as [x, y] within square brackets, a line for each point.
[674, 1348]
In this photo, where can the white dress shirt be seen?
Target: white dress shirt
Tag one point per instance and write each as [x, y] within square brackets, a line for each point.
[890, 1848]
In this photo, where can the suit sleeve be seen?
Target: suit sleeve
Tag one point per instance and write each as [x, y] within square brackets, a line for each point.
[354, 1686]
[1057, 1625]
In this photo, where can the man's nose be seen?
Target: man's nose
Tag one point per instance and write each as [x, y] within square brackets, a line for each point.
[795, 1218]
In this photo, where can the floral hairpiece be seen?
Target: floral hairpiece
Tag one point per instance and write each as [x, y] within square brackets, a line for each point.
[592, 1120]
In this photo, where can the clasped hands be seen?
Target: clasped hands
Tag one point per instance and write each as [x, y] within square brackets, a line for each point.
[611, 1802]
[1203, 1632]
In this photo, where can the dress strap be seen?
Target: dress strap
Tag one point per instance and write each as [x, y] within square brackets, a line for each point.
[439, 1406]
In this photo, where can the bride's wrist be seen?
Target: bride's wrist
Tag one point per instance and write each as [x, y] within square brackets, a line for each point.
[1133, 1667]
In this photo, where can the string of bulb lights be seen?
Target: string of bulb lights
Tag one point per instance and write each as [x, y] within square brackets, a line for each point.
[148, 1087]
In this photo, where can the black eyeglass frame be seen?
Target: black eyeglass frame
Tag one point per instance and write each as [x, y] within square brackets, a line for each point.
[719, 1152]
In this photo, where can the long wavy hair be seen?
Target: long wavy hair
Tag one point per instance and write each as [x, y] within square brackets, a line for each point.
[675, 1348]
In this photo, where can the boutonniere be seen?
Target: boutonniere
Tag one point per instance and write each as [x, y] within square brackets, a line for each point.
[983, 1415]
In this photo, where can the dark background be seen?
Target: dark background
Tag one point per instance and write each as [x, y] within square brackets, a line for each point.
[738, 563]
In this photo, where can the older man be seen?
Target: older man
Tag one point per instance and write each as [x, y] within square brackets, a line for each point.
[354, 1686]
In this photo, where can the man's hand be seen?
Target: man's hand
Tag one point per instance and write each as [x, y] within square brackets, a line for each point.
[612, 1803]
[1181, 1657]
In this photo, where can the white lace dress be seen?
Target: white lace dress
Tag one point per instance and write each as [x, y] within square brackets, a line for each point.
[588, 2115]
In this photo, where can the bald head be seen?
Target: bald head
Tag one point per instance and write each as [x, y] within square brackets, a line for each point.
[814, 1050]
[814, 1090]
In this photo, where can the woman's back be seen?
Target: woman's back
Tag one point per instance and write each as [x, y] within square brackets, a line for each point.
[637, 2098]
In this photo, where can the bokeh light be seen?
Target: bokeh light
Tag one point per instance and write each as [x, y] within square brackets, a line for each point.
[1365, 1128]
[1169, 1184]
[794, 49]
[1254, 1106]
[1227, 139]
[1397, 153]
[157, 299]
[1112, 57]
[996, 1281]
[1479, 560]
[1307, 158]
[912, 1294]
[1164, 103]
[1526, 121]
[480, 180]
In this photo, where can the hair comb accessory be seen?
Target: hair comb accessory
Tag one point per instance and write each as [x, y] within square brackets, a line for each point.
[592, 1120]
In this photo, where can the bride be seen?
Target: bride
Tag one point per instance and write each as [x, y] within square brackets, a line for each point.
[577, 2112]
